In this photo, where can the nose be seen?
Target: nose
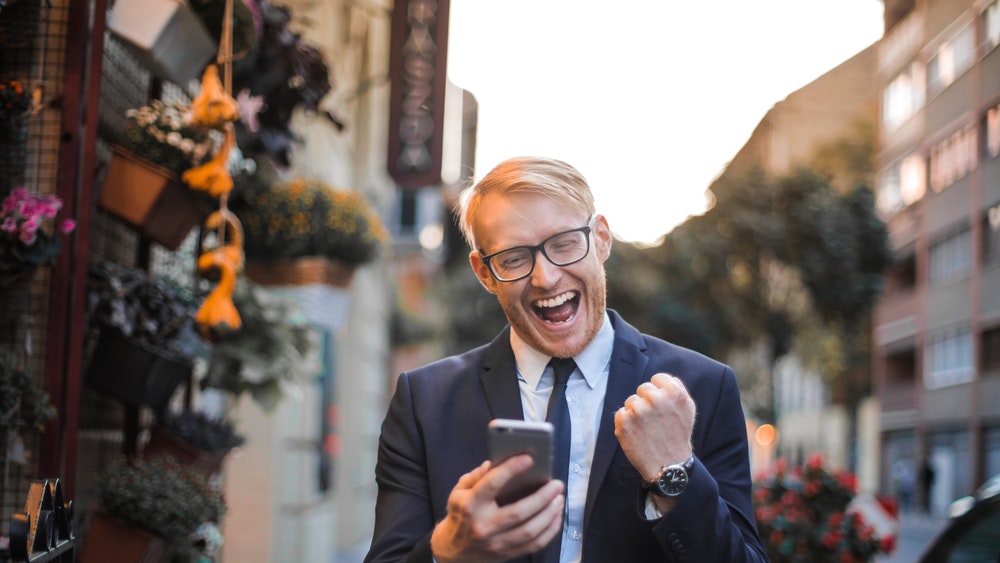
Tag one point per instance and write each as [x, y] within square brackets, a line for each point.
[545, 273]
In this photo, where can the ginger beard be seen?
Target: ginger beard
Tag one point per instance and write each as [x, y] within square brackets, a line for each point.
[542, 323]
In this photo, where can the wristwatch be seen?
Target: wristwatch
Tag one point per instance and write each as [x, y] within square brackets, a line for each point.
[672, 479]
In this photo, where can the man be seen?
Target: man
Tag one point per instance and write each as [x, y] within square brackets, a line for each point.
[648, 480]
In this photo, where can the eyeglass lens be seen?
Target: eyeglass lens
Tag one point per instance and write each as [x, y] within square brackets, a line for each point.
[562, 249]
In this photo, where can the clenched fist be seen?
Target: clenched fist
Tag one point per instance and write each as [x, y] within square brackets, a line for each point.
[654, 427]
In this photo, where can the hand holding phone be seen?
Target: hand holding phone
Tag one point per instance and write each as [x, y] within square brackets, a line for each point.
[510, 437]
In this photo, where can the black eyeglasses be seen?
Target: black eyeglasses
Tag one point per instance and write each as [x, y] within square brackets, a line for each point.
[562, 249]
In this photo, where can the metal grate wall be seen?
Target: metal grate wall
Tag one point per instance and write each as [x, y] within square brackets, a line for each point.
[32, 47]
[33, 39]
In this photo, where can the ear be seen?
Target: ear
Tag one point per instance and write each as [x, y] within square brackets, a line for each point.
[602, 238]
[482, 272]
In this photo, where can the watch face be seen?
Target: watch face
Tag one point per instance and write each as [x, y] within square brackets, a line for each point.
[672, 481]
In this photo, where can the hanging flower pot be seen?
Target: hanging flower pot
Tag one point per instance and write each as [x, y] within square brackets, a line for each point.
[304, 232]
[166, 34]
[193, 438]
[111, 539]
[135, 373]
[151, 199]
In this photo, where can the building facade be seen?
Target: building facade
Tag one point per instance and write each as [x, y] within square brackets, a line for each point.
[937, 326]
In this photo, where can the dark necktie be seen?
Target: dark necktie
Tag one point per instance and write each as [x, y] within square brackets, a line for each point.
[558, 415]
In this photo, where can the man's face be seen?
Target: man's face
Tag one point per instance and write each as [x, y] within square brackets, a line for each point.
[557, 310]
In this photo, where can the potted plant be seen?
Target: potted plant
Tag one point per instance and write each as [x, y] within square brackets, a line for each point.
[275, 347]
[194, 438]
[24, 407]
[143, 186]
[151, 510]
[145, 338]
[28, 240]
[304, 231]
[805, 514]
[275, 72]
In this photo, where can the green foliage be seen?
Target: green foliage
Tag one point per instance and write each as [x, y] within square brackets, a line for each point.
[275, 347]
[161, 496]
[23, 405]
[848, 161]
[303, 218]
[787, 263]
[803, 516]
[153, 311]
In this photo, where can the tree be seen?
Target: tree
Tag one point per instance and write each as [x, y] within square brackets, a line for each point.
[776, 264]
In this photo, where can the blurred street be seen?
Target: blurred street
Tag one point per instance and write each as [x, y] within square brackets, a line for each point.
[916, 531]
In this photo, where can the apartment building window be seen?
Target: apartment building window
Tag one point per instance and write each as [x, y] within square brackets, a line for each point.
[991, 238]
[954, 157]
[991, 132]
[951, 259]
[902, 184]
[903, 96]
[989, 27]
[991, 350]
[949, 358]
[951, 59]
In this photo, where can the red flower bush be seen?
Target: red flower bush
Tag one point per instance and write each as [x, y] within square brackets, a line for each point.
[803, 516]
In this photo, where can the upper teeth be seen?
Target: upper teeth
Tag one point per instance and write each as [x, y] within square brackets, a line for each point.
[555, 301]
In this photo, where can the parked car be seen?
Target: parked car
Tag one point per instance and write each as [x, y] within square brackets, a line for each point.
[972, 533]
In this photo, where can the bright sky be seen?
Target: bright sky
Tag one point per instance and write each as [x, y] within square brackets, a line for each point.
[649, 99]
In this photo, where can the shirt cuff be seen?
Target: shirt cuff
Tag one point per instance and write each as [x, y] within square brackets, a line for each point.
[652, 513]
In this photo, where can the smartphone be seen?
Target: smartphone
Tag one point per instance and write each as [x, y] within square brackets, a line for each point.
[510, 437]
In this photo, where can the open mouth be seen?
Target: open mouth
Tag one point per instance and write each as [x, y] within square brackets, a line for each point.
[558, 309]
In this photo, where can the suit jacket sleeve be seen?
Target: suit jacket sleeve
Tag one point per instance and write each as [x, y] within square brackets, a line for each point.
[713, 519]
[403, 514]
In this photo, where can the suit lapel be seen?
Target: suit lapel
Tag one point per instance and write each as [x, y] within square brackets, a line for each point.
[499, 379]
[626, 373]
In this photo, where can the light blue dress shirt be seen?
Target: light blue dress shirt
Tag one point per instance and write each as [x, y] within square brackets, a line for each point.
[585, 393]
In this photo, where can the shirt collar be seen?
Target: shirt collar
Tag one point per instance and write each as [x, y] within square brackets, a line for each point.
[591, 362]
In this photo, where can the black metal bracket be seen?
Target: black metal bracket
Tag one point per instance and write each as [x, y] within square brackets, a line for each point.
[44, 532]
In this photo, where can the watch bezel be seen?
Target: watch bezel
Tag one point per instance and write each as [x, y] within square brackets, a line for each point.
[664, 484]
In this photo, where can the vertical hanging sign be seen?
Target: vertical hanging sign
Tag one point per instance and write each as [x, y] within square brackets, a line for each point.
[418, 64]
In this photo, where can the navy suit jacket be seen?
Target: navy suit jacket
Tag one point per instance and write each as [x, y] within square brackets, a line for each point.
[435, 431]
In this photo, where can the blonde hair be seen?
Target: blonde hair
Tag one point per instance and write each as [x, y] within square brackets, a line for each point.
[544, 176]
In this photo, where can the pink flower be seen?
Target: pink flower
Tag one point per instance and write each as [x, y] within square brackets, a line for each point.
[30, 225]
[28, 237]
[67, 226]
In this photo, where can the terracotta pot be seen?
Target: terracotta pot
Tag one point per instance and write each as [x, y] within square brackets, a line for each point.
[301, 271]
[135, 374]
[162, 442]
[151, 199]
[110, 539]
